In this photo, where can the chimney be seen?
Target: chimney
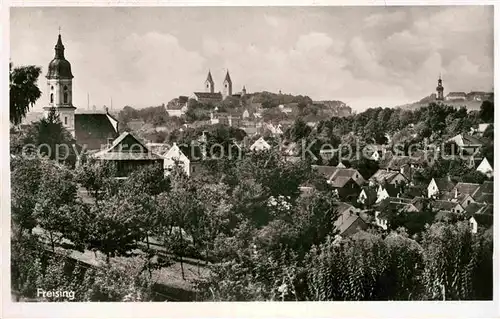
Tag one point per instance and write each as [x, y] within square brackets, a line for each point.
[456, 192]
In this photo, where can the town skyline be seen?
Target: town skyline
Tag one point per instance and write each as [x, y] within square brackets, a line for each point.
[393, 57]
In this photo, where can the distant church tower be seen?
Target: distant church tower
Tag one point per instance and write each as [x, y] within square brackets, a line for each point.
[60, 88]
[228, 86]
[209, 83]
[244, 91]
[440, 89]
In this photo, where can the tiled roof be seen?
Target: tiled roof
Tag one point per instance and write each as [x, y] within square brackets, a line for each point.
[94, 130]
[444, 184]
[444, 205]
[343, 223]
[326, 171]
[127, 147]
[383, 175]
[466, 140]
[466, 188]
[339, 181]
[420, 202]
[346, 216]
[485, 198]
[485, 220]
[473, 208]
[208, 95]
[348, 172]
[485, 188]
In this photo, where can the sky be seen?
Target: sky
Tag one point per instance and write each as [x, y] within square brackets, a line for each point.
[363, 56]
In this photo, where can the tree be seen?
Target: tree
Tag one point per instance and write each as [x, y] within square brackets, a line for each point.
[52, 139]
[486, 112]
[24, 91]
[450, 258]
[298, 131]
[364, 267]
[179, 208]
[26, 176]
[122, 279]
[113, 228]
[97, 177]
[56, 190]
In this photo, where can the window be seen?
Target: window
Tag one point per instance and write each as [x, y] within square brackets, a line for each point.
[65, 94]
[52, 88]
[65, 120]
[51, 97]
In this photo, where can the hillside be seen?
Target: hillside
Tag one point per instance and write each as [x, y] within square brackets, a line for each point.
[470, 104]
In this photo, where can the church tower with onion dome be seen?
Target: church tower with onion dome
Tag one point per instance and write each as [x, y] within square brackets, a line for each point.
[440, 89]
[60, 88]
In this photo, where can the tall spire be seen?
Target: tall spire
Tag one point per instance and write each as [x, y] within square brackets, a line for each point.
[59, 48]
[209, 83]
[227, 78]
[209, 77]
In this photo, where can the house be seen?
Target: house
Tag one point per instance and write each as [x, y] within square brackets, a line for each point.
[477, 221]
[349, 220]
[225, 118]
[179, 108]
[387, 177]
[392, 205]
[128, 153]
[158, 148]
[456, 96]
[339, 174]
[288, 108]
[463, 193]
[386, 191]
[465, 188]
[345, 181]
[374, 152]
[443, 205]
[367, 196]
[479, 96]
[95, 131]
[484, 193]
[188, 157]
[481, 128]
[479, 208]
[467, 143]
[260, 145]
[454, 196]
[485, 168]
[406, 165]
[438, 186]
[245, 114]
[274, 129]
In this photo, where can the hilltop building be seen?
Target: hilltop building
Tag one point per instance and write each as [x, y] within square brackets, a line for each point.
[211, 96]
[440, 89]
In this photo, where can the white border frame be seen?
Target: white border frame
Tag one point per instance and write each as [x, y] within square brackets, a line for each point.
[413, 309]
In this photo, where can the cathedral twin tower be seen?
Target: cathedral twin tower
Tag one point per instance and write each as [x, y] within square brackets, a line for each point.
[228, 85]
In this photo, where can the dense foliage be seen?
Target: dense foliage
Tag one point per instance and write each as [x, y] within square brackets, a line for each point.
[248, 221]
